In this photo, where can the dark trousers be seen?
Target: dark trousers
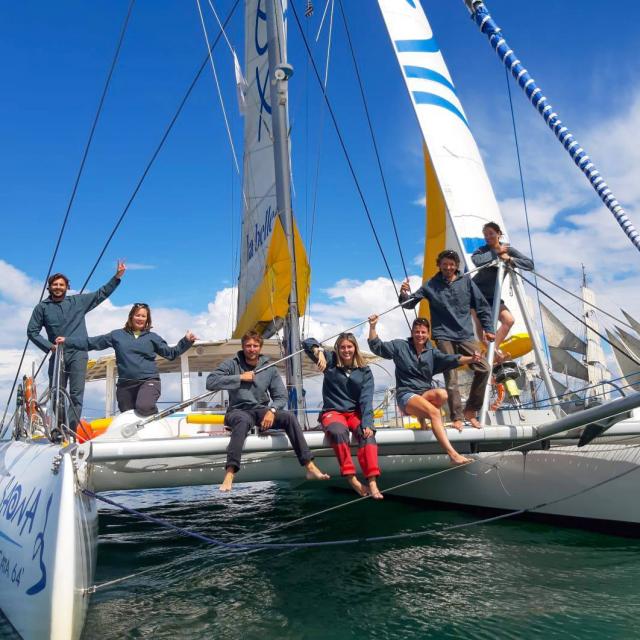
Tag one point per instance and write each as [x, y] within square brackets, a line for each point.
[478, 385]
[242, 420]
[73, 373]
[140, 395]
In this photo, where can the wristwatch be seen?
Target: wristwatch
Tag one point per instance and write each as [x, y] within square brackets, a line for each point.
[273, 410]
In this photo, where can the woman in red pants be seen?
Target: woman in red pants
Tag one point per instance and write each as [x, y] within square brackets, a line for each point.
[347, 407]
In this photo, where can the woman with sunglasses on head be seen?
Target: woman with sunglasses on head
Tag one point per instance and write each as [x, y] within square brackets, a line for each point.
[347, 406]
[485, 279]
[136, 348]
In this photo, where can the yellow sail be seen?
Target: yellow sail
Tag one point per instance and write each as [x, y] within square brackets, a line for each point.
[271, 298]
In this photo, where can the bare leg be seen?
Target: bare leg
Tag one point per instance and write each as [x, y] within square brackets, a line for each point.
[424, 406]
[506, 322]
[228, 479]
[478, 326]
[374, 492]
[313, 473]
[356, 485]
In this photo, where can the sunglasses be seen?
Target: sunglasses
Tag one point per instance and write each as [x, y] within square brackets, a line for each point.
[141, 305]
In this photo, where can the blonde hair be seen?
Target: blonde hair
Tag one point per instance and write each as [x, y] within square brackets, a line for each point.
[358, 360]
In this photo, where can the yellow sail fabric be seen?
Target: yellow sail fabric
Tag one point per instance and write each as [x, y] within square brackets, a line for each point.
[271, 298]
[436, 238]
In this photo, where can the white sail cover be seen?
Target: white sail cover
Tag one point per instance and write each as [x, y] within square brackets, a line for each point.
[258, 181]
[468, 195]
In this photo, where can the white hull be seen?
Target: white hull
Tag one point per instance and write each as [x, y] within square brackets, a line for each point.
[48, 532]
[566, 481]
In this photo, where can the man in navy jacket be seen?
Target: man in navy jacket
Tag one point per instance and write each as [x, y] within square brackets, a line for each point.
[63, 315]
[451, 298]
[257, 397]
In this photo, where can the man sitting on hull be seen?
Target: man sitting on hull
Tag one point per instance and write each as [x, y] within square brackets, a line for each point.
[257, 397]
[451, 298]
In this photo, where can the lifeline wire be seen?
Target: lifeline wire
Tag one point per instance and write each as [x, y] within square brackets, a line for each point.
[74, 191]
[367, 539]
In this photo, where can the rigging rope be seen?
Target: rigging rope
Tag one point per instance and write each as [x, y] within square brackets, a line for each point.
[72, 197]
[217, 82]
[344, 147]
[247, 546]
[487, 25]
[159, 147]
[524, 198]
[581, 320]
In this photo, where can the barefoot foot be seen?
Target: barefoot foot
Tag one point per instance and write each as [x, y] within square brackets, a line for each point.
[458, 425]
[458, 459]
[472, 420]
[357, 486]
[313, 473]
[227, 482]
[374, 492]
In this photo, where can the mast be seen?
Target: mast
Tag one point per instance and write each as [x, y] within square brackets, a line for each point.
[279, 74]
[594, 357]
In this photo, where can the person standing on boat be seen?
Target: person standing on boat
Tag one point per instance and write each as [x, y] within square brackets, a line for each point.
[347, 406]
[416, 363]
[257, 397]
[451, 298]
[136, 347]
[485, 279]
[63, 315]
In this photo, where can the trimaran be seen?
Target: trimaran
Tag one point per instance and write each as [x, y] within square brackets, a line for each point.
[49, 491]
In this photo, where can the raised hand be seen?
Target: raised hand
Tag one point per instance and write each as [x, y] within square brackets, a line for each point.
[120, 269]
[322, 360]
[404, 287]
[373, 320]
[190, 336]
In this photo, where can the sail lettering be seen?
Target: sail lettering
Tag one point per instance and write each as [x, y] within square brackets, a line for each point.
[260, 233]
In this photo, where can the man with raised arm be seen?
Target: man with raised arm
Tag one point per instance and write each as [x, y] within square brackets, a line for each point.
[416, 363]
[64, 315]
[451, 297]
[257, 397]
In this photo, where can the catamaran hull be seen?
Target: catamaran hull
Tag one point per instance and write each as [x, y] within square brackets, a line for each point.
[48, 533]
[596, 483]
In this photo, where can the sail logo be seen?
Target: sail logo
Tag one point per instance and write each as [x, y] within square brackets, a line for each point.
[261, 232]
[261, 50]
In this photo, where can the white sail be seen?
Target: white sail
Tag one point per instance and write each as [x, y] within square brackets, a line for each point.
[632, 321]
[558, 335]
[631, 342]
[630, 370]
[563, 362]
[452, 152]
[265, 263]
[594, 357]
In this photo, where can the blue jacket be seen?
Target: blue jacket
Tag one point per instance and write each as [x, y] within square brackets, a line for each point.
[414, 373]
[135, 357]
[65, 318]
[450, 304]
[267, 390]
[342, 392]
[486, 279]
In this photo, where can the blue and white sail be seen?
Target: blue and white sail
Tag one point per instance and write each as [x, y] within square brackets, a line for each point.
[460, 199]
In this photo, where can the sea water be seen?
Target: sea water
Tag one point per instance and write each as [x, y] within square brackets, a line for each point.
[507, 579]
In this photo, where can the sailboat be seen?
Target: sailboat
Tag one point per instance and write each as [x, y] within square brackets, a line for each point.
[527, 459]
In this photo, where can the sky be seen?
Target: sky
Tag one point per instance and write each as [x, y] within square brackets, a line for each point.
[180, 235]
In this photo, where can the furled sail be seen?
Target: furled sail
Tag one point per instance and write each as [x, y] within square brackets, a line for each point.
[558, 335]
[265, 263]
[460, 199]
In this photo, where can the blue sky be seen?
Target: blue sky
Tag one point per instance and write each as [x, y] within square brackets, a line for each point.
[183, 226]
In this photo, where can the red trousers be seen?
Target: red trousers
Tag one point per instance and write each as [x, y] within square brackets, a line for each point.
[337, 426]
